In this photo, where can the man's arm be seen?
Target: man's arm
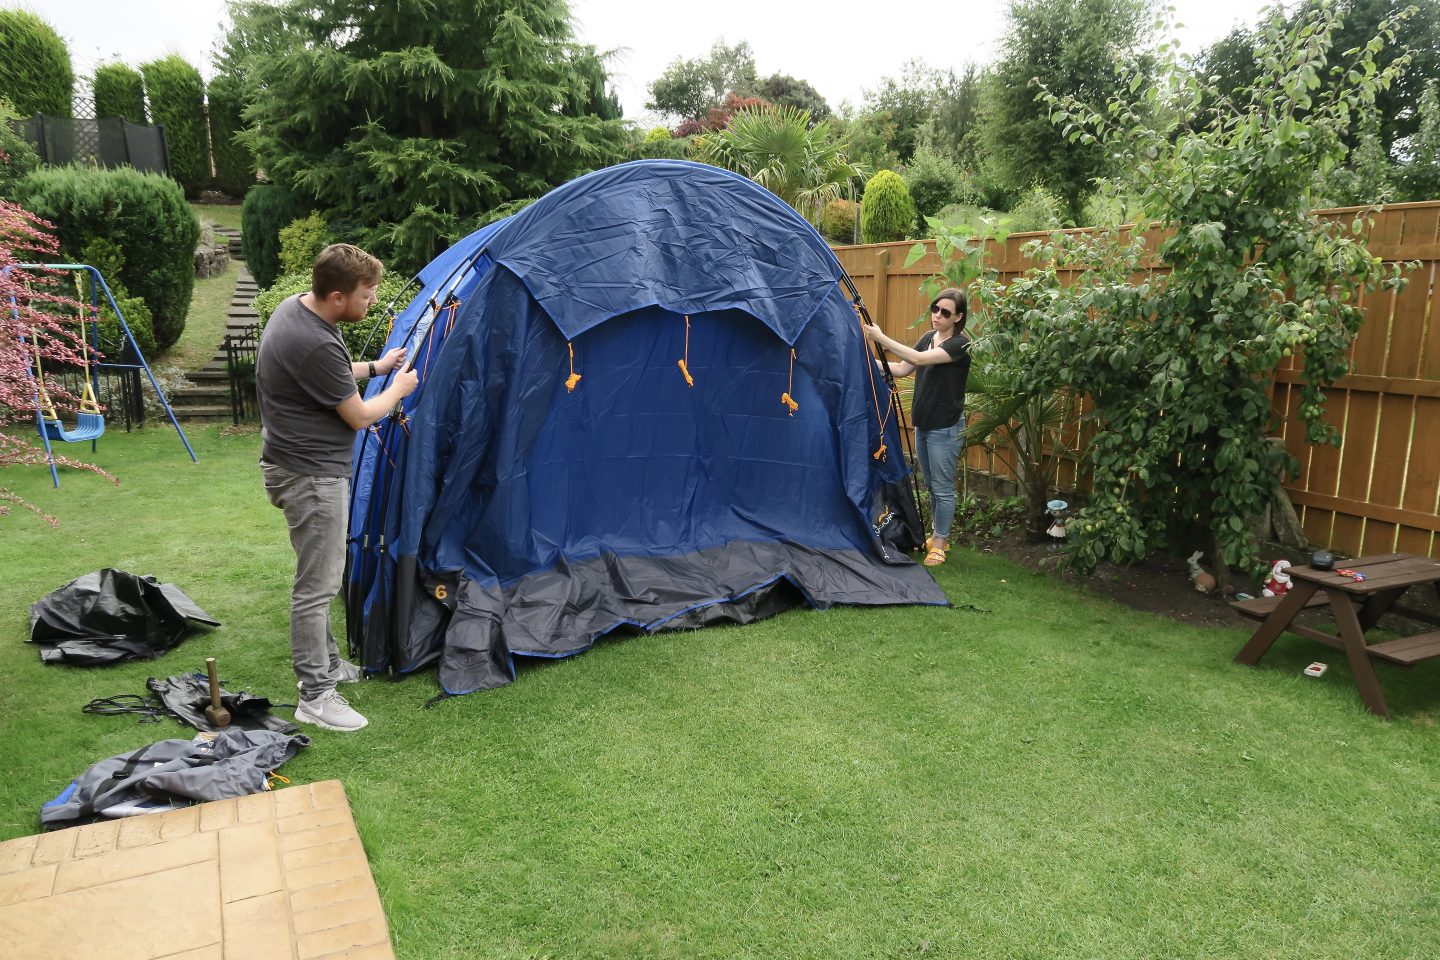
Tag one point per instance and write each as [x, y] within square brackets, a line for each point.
[360, 414]
[391, 361]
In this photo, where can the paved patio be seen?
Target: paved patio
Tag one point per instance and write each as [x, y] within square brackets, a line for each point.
[273, 876]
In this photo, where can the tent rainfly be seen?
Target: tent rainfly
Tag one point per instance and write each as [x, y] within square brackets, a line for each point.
[646, 403]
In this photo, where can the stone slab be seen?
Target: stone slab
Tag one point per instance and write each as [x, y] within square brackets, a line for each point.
[278, 875]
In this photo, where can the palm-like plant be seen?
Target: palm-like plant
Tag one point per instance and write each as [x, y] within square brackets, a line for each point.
[779, 148]
[1030, 434]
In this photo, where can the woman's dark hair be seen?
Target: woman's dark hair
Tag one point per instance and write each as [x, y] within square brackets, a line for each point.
[957, 297]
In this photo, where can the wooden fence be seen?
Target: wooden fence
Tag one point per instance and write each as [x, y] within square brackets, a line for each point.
[1379, 491]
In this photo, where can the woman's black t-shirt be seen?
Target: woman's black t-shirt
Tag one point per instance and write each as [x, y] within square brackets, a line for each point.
[940, 388]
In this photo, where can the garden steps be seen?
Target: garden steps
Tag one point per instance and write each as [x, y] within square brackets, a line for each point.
[232, 235]
[208, 396]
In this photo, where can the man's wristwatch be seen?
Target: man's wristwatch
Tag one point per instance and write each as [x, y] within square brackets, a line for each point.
[372, 368]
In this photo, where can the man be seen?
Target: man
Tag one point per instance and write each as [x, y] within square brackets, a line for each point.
[309, 411]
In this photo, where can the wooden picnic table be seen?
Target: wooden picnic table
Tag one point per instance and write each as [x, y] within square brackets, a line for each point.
[1356, 605]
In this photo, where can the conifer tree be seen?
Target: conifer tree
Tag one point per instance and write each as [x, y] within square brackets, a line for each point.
[411, 119]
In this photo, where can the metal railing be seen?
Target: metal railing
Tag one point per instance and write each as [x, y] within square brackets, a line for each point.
[240, 350]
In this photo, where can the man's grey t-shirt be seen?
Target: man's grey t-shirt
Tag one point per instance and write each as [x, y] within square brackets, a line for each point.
[302, 373]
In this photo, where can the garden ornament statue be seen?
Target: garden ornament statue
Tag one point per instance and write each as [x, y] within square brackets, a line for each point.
[1204, 582]
[1279, 583]
[1057, 509]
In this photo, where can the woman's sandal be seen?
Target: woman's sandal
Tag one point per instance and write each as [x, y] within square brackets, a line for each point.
[936, 554]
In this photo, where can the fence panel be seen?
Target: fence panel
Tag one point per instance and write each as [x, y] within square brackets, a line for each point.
[1379, 491]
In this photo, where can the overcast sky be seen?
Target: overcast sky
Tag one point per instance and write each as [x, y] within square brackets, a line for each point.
[842, 48]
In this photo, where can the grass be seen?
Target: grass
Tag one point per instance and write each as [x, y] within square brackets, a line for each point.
[205, 323]
[218, 214]
[1049, 776]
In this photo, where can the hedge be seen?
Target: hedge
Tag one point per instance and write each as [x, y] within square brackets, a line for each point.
[266, 211]
[234, 163]
[363, 339]
[177, 102]
[119, 92]
[144, 214]
[35, 74]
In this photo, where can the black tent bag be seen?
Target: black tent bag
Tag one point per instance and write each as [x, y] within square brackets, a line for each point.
[110, 616]
[900, 528]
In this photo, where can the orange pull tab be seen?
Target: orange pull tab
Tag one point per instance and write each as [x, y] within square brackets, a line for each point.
[785, 397]
[880, 454]
[574, 377]
[683, 363]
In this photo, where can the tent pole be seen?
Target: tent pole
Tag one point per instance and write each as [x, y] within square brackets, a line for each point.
[907, 439]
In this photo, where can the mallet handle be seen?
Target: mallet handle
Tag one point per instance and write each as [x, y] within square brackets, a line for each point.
[214, 682]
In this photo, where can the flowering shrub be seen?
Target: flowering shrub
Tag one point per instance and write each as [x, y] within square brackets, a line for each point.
[35, 327]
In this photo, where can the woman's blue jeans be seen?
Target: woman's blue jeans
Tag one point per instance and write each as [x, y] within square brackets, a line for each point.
[939, 452]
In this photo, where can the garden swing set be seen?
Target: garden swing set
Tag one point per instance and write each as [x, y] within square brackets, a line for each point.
[90, 421]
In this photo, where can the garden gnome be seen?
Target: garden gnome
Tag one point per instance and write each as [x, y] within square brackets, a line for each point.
[1279, 583]
[1204, 582]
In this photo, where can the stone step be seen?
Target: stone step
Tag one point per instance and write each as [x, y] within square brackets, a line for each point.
[204, 413]
[193, 398]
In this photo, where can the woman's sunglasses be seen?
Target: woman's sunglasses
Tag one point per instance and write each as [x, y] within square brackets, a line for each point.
[946, 314]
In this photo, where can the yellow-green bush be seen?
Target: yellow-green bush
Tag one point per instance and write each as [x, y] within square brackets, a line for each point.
[301, 242]
[886, 213]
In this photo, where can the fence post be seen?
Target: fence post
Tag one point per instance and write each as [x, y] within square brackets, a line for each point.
[42, 142]
[882, 289]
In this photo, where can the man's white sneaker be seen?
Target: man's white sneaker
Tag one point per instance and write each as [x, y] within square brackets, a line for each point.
[331, 711]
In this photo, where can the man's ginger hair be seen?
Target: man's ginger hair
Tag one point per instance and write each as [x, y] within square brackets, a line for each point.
[342, 267]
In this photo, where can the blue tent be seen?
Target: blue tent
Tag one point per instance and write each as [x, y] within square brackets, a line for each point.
[646, 403]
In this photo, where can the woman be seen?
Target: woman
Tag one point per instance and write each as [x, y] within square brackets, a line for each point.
[940, 361]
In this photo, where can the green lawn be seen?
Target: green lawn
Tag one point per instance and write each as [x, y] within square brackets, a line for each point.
[205, 323]
[1051, 776]
[218, 214]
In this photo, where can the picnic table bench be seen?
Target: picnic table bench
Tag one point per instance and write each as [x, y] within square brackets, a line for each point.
[1356, 605]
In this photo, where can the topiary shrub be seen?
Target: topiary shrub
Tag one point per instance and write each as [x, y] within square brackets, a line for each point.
[837, 221]
[145, 214]
[177, 102]
[234, 163]
[887, 213]
[363, 339]
[267, 210]
[35, 73]
[119, 92]
[301, 242]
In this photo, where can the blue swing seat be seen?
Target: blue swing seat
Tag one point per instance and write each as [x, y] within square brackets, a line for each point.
[88, 426]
